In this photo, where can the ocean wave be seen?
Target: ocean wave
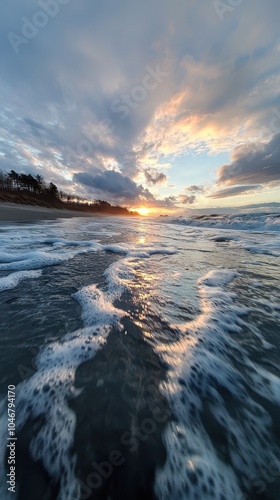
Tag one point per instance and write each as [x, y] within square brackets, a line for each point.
[12, 280]
[212, 399]
[220, 433]
[248, 221]
[46, 394]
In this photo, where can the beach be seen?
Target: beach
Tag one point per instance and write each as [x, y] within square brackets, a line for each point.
[13, 212]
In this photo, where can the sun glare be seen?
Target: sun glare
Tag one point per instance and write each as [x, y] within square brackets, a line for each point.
[143, 211]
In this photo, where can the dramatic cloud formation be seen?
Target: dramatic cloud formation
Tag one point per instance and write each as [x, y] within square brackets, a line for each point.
[114, 183]
[120, 188]
[141, 89]
[253, 164]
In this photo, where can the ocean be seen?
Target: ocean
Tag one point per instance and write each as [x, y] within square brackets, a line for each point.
[140, 358]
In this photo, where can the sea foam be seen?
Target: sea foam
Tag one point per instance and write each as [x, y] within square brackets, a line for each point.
[46, 394]
[205, 388]
[212, 399]
[13, 279]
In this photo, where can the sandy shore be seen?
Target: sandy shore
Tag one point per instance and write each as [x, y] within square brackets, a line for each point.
[12, 212]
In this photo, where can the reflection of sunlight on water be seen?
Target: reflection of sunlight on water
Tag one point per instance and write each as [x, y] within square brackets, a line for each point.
[141, 240]
[147, 335]
[141, 234]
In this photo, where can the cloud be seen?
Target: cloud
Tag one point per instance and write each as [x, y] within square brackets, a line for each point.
[115, 184]
[116, 187]
[253, 164]
[195, 189]
[187, 200]
[153, 177]
[59, 91]
[234, 191]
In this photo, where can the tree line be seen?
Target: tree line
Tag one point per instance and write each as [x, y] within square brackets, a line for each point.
[15, 182]
[36, 186]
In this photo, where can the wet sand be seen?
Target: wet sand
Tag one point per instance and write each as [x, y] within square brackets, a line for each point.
[13, 212]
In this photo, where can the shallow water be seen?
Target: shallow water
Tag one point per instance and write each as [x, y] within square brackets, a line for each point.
[145, 355]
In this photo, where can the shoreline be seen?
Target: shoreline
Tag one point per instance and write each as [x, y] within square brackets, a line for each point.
[13, 212]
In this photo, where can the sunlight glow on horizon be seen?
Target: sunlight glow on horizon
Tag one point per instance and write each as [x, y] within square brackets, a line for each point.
[143, 211]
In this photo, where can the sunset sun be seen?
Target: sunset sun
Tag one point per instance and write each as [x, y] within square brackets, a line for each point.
[143, 211]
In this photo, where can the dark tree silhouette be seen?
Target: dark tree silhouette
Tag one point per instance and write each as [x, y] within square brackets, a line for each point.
[35, 189]
[52, 190]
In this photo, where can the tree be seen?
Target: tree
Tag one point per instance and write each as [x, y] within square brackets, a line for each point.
[52, 190]
[40, 183]
[15, 179]
[4, 181]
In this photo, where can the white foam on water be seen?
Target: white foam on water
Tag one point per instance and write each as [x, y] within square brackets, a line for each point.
[37, 259]
[119, 275]
[216, 278]
[57, 253]
[201, 359]
[12, 280]
[47, 392]
[207, 393]
[97, 307]
[250, 242]
[243, 235]
[139, 251]
[58, 250]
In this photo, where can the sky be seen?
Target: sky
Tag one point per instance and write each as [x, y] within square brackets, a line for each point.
[171, 104]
